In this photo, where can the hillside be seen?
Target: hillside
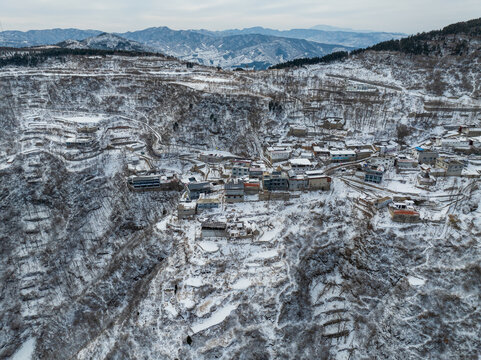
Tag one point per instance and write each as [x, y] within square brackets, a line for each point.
[95, 269]
[455, 39]
[460, 39]
[252, 50]
[29, 38]
[241, 50]
[105, 41]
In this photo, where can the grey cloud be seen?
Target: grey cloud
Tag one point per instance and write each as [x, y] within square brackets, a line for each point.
[120, 15]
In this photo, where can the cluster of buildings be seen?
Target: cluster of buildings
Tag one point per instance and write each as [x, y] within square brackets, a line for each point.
[285, 169]
[202, 195]
[429, 162]
[281, 153]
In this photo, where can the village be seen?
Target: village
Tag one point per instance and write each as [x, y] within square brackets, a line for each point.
[410, 183]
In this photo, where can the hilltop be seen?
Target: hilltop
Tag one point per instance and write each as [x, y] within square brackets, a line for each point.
[460, 39]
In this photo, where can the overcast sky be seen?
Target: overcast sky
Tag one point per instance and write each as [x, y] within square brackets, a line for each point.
[409, 16]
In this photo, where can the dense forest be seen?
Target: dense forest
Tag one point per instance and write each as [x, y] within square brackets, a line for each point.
[428, 43]
[335, 56]
[34, 57]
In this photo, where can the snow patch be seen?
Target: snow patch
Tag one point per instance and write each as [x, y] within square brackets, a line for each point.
[210, 79]
[266, 254]
[26, 350]
[415, 281]
[208, 246]
[194, 282]
[162, 226]
[84, 119]
[241, 284]
[188, 303]
[216, 318]
[171, 309]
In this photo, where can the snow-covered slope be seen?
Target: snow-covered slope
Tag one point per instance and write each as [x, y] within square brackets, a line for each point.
[14, 38]
[93, 270]
[227, 49]
[105, 41]
[241, 50]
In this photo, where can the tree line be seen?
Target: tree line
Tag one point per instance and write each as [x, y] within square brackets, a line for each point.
[29, 57]
[420, 44]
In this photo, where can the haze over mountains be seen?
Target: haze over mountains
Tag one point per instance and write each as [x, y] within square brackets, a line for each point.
[255, 47]
[343, 37]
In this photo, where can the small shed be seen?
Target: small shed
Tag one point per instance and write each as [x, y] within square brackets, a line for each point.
[213, 229]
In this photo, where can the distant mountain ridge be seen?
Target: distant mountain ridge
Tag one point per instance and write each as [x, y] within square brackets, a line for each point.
[14, 38]
[352, 38]
[336, 28]
[229, 51]
[459, 39]
[255, 47]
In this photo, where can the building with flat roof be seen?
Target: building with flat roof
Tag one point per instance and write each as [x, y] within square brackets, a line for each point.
[239, 170]
[256, 172]
[451, 167]
[275, 181]
[278, 153]
[207, 204]
[373, 175]
[425, 156]
[473, 132]
[425, 179]
[78, 142]
[384, 161]
[342, 155]
[252, 186]
[403, 212]
[300, 164]
[154, 182]
[454, 143]
[234, 191]
[318, 182]
[194, 189]
[298, 130]
[406, 164]
[297, 182]
[213, 229]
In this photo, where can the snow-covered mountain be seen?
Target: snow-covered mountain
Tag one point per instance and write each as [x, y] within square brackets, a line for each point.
[94, 270]
[350, 38]
[252, 50]
[13, 38]
[243, 50]
[255, 47]
[105, 41]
